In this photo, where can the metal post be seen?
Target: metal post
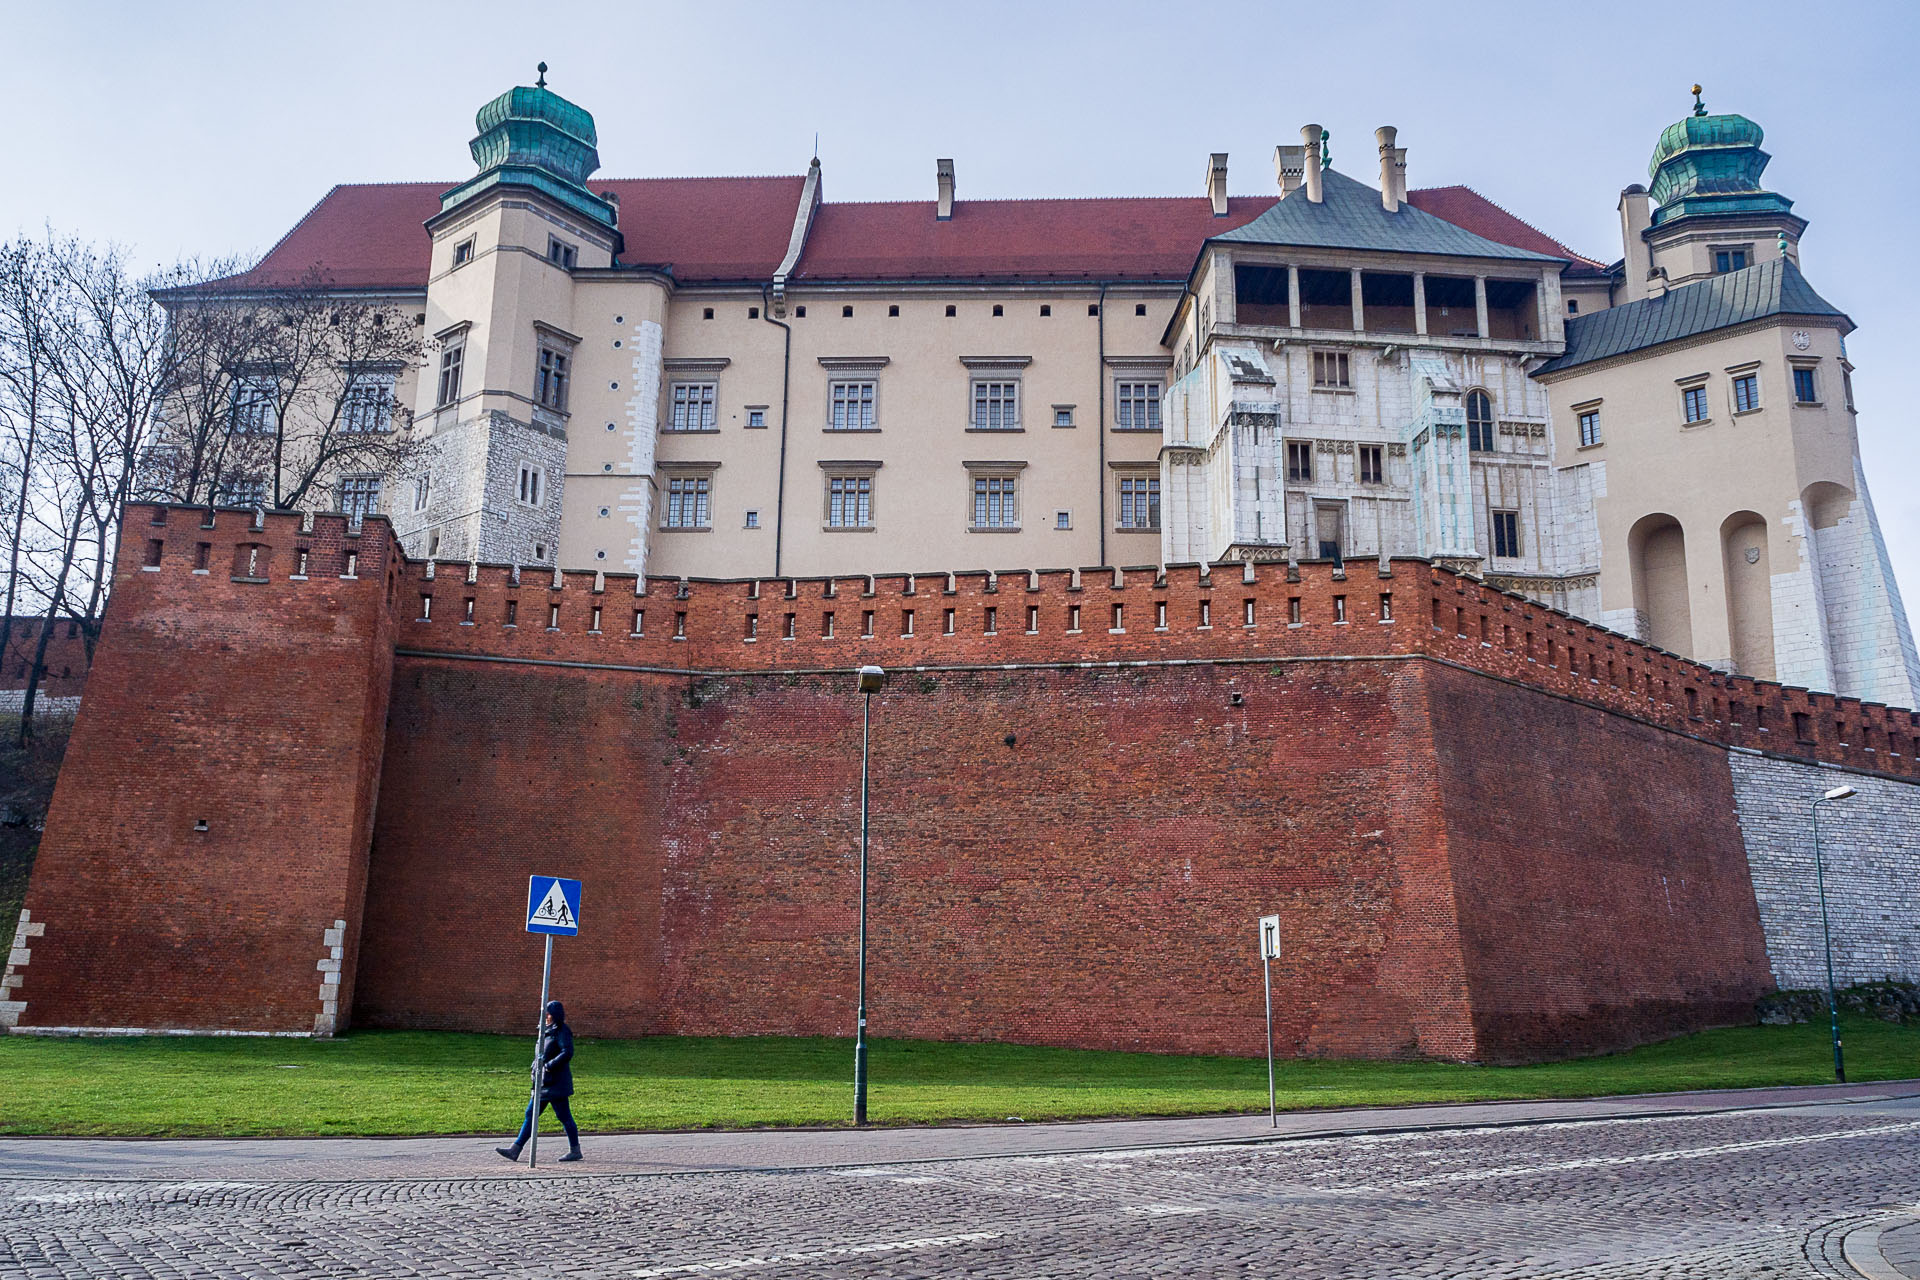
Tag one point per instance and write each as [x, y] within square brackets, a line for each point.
[860, 1026]
[1266, 982]
[1826, 941]
[540, 1057]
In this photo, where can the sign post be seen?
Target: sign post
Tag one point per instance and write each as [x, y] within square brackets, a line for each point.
[1269, 952]
[553, 907]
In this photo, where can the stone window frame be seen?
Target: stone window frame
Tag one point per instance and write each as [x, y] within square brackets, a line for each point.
[1128, 394]
[1006, 372]
[1129, 473]
[369, 414]
[563, 254]
[1744, 250]
[849, 372]
[451, 369]
[465, 252]
[360, 484]
[1582, 412]
[702, 394]
[699, 477]
[1489, 435]
[1809, 365]
[422, 491]
[1063, 416]
[1694, 396]
[531, 480]
[1331, 369]
[991, 480]
[1516, 548]
[859, 473]
[1360, 454]
[1300, 475]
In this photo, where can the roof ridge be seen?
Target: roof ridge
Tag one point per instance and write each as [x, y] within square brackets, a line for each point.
[1478, 194]
[1200, 199]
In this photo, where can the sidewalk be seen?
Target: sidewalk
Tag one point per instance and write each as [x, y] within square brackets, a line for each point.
[373, 1159]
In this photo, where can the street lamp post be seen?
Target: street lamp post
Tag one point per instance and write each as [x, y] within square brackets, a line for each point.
[1842, 792]
[871, 680]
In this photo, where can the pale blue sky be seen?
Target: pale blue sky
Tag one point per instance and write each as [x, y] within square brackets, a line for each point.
[208, 128]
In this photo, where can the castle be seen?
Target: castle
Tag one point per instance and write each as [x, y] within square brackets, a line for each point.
[1518, 744]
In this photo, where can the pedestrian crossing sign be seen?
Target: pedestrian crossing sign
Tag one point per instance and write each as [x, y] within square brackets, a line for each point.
[553, 905]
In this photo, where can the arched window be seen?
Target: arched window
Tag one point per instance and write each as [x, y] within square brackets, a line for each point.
[1479, 422]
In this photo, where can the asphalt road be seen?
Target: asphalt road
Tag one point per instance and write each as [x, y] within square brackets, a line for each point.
[1793, 1191]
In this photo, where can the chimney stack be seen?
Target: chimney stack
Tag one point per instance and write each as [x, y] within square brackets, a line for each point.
[943, 172]
[1635, 217]
[1217, 183]
[1310, 138]
[1393, 169]
[1290, 167]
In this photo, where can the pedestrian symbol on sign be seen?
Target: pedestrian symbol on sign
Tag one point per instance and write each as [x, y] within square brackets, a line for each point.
[553, 905]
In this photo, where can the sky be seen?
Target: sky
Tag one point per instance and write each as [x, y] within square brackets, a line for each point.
[208, 129]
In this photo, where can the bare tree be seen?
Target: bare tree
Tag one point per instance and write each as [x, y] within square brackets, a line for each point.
[288, 389]
[24, 374]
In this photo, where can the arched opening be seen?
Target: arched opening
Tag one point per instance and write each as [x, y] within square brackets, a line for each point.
[1658, 550]
[1826, 504]
[1743, 543]
[1479, 422]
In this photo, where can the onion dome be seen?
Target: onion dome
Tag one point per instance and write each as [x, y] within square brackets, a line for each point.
[531, 136]
[1710, 164]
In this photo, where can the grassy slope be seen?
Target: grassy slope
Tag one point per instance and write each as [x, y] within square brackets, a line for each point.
[416, 1083]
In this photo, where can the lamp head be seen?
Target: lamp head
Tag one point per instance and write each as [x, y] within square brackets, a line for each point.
[871, 679]
[1840, 793]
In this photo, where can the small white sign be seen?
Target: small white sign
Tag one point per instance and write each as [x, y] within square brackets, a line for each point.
[1269, 937]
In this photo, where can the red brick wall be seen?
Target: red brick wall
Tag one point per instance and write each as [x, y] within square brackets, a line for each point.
[1604, 897]
[1095, 883]
[65, 673]
[254, 705]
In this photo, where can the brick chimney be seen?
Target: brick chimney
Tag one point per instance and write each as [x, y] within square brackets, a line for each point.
[1217, 183]
[943, 174]
[1310, 140]
[1393, 169]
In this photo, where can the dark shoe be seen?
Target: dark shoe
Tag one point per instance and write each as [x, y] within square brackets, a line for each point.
[511, 1153]
[572, 1154]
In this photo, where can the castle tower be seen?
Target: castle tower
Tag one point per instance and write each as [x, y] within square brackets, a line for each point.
[1711, 417]
[496, 399]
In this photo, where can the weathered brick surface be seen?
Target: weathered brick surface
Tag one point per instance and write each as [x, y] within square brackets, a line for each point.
[1491, 830]
[65, 673]
[1601, 877]
[254, 706]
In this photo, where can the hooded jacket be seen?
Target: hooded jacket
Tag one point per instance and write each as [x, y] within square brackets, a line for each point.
[558, 1082]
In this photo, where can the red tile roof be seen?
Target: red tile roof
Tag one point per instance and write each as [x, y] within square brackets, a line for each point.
[736, 229]
[372, 235]
[1465, 207]
[1121, 238]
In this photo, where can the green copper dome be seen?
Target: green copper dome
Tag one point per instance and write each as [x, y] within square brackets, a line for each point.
[1708, 164]
[531, 136]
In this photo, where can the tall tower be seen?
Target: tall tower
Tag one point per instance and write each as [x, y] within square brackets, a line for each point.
[1711, 416]
[495, 398]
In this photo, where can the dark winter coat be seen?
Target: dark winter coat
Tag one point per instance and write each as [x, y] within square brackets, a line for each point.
[559, 1054]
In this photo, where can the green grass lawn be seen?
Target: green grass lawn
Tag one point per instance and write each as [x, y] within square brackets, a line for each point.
[394, 1082]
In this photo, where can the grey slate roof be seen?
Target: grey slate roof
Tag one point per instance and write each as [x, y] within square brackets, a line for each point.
[1771, 288]
[1351, 217]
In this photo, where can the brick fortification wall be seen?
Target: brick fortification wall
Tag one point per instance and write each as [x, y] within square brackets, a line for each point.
[65, 673]
[241, 682]
[1492, 831]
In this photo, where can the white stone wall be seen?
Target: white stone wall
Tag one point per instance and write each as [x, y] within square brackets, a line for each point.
[643, 438]
[512, 532]
[1868, 636]
[1870, 846]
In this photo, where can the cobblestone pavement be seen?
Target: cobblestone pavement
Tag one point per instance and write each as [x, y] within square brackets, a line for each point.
[1770, 1193]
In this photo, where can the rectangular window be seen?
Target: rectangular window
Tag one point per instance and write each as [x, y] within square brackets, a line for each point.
[532, 483]
[1506, 533]
[252, 407]
[996, 406]
[1062, 417]
[687, 502]
[1590, 427]
[1372, 464]
[1746, 393]
[1140, 502]
[550, 381]
[451, 358]
[850, 502]
[1063, 519]
[756, 417]
[852, 407]
[1330, 369]
[1725, 260]
[1136, 406]
[692, 407]
[1694, 402]
[1804, 388]
[560, 253]
[1300, 460]
[360, 496]
[422, 492]
[993, 503]
[367, 408]
[463, 252]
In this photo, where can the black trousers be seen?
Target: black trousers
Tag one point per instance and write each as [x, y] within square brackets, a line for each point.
[561, 1109]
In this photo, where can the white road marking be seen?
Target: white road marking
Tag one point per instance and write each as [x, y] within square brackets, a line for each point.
[1164, 1210]
[813, 1255]
[1650, 1157]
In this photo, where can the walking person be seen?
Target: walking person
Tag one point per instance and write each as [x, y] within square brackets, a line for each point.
[556, 1086]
